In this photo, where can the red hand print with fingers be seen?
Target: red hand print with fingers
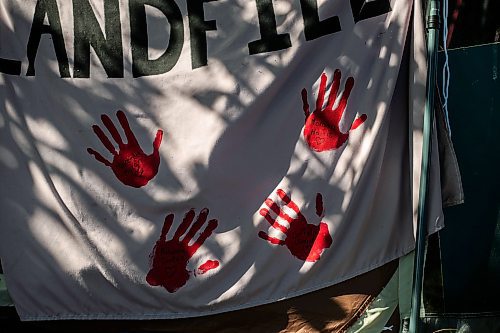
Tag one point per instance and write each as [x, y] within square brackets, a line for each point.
[169, 259]
[305, 241]
[130, 164]
[321, 129]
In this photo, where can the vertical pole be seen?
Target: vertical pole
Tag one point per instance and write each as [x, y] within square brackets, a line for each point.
[432, 27]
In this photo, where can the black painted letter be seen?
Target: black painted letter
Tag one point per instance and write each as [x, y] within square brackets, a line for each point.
[270, 39]
[363, 9]
[47, 8]
[11, 67]
[197, 32]
[8, 66]
[88, 33]
[313, 27]
[141, 65]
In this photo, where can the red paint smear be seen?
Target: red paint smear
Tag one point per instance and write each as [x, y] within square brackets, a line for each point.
[305, 241]
[169, 263]
[272, 240]
[169, 259]
[130, 164]
[321, 130]
[207, 266]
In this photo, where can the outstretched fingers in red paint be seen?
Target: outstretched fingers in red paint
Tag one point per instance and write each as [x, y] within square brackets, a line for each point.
[130, 164]
[305, 241]
[169, 259]
[321, 130]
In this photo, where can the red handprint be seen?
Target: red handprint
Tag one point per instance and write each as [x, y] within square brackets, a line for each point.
[321, 129]
[130, 164]
[169, 259]
[305, 241]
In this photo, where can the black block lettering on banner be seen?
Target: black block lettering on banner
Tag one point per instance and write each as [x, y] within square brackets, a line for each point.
[49, 9]
[364, 9]
[313, 27]
[88, 33]
[141, 64]
[270, 39]
[197, 32]
[11, 67]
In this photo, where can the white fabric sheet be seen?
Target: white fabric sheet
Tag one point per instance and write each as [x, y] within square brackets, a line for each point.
[122, 119]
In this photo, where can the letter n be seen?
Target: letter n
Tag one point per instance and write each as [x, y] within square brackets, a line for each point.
[88, 33]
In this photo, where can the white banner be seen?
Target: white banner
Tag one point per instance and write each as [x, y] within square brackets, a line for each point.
[167, 159]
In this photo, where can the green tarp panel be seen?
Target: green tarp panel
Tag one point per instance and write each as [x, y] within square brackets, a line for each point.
[470, 241]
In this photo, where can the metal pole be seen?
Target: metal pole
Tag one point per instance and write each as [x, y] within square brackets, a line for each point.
[432, 26]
